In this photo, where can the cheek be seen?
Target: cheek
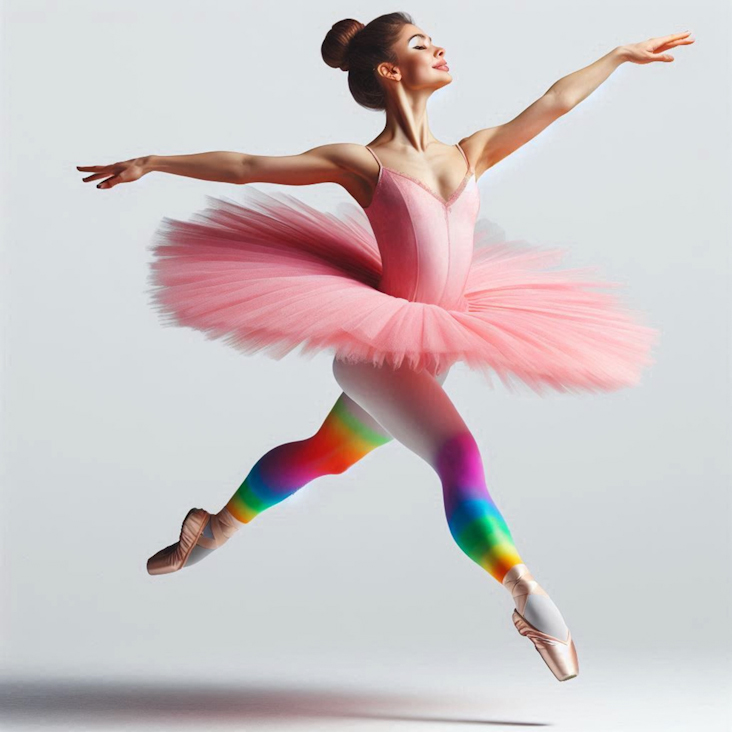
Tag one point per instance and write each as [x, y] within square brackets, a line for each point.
[418, 69]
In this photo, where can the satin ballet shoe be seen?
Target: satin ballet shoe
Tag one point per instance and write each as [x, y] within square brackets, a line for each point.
[560, 655]
[201, 533]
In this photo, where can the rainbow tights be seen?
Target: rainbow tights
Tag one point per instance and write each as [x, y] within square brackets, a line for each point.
[378, 405]
[347, 435]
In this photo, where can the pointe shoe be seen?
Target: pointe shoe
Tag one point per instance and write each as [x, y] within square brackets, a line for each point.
[558, 654]
[193, 545]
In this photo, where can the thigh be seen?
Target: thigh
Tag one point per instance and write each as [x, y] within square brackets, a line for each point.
[356, 410]
[411, 405]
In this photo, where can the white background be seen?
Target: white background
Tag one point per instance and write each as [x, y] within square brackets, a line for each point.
[114, 426]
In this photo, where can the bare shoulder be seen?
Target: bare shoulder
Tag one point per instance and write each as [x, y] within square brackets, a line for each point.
[357, 169]
[354, 158]
[474, 147]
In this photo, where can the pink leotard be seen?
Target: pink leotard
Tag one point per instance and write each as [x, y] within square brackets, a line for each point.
[426, 242]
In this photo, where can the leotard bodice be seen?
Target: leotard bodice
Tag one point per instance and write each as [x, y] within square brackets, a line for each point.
[425, 242]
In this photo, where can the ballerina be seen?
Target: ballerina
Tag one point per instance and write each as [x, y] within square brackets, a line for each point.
[399, 289]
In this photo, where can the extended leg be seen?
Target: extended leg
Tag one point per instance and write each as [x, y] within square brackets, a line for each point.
[417, 412]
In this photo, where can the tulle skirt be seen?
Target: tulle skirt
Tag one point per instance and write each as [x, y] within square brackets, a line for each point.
[270, 274]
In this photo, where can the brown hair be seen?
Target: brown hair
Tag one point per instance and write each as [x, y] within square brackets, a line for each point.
[359, 49]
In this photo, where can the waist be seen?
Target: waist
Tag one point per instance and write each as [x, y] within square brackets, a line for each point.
[448, 297]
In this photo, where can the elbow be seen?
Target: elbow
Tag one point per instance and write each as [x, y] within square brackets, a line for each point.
[564, 106]
[561, 103]
[244, 170]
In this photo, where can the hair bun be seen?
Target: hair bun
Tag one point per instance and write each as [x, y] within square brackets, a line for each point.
[337, 41]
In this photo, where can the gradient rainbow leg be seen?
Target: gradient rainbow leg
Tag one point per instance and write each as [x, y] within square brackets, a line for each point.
[474, 521]
[416, 410]
[347, 435]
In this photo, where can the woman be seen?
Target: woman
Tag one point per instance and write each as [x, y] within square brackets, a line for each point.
[400, 302]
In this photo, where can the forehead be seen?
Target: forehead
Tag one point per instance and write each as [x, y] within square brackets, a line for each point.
[412, 33]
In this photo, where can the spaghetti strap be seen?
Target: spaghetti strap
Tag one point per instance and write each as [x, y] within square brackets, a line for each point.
[467, 162]
[375, 156]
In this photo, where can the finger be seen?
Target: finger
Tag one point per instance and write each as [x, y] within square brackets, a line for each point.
[682, 42]
[96, 168]
[660, 57]
[109, 183]
[659, 54]
[673, 37]
[663, 40]
[90, 178]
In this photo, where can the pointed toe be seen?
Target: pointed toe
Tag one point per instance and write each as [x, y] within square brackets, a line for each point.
[175, 556]
[559, 655]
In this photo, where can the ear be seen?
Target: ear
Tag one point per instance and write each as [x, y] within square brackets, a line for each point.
[389, 71]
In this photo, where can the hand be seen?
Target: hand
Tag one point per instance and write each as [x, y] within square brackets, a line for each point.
[654, 49]
[123, 172]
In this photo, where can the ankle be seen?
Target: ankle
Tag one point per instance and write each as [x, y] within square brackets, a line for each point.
[226, 518]
[221, 527]
[521, 583]
[533, 603]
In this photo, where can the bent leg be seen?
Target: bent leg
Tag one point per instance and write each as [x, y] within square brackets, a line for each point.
[347, 434]
[417, 411]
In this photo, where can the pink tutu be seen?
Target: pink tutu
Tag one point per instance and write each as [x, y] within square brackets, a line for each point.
[271, 273]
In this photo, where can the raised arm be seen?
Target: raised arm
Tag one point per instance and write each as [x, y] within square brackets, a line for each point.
[488, 146]
[334, 163]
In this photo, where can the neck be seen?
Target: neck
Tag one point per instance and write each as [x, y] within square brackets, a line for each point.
[407, 125]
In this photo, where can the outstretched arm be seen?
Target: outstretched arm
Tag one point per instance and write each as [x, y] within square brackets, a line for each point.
[334, 163]
[486, 147]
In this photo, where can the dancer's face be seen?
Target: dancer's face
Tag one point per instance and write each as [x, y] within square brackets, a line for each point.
[417, 57]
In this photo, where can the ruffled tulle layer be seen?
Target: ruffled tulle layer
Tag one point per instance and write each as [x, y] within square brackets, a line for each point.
[271, 274]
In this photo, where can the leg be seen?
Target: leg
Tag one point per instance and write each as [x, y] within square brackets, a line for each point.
[417, 412]
[347, 435]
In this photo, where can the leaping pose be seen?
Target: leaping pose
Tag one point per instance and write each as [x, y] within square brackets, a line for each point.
[399, 290]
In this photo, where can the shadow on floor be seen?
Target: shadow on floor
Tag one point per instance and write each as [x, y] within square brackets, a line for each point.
[96, 702]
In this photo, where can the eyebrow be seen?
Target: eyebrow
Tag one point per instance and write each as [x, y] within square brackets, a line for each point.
[419, 35]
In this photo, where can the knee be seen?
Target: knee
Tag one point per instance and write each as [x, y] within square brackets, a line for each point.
[459, 458]
[323, 457]
[340, 461]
